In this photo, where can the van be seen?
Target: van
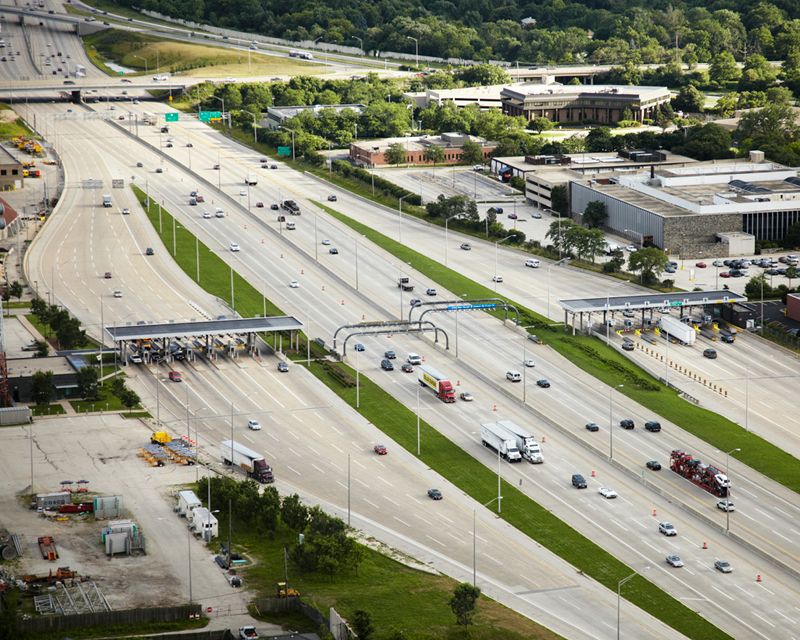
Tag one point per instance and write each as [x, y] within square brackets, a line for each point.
[532, 263]
[514, 376]
[290, 226]
[710, 353]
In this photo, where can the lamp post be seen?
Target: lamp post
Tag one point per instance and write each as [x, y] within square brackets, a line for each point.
[196, 443]
[145, 63]
[222, 100]
[416, 47]
[446, 220]
[254, 125]
[400, 232]
[611, 419]
[619, 590]
[474, 544]
[728, 492]
[360, 44]
[158, 64]
[495, 259]
[292, 132]
[557, 264]
[240, 400]
[356, 241]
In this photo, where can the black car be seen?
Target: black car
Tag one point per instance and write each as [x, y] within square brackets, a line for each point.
[654, 465]
[626, 424]
[390, 355]
[435, 494]
[652, 425]
[274, 207]
[592, 427]
[386, 365]
[726, 337]
[333, 250]
[139, 164]
[149, 251]
[710, 353]
[543, 383]
[578, 481]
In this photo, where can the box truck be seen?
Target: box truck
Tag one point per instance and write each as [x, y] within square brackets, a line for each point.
[107, 200]
[497, 438]
[676, 329]
[526, 443]
[431, 378]
[251, 179]
[253, 463]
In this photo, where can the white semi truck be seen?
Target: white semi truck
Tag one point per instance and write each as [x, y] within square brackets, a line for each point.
[683, 333]
[526, 443]
[253, 463]
[500, 440]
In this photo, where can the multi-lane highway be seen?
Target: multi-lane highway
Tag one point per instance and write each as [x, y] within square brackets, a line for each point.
[84, 240]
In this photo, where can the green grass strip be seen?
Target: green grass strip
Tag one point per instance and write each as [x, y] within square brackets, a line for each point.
[442, 455]
[611, 367]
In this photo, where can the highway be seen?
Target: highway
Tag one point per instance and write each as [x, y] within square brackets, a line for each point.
[485, 347]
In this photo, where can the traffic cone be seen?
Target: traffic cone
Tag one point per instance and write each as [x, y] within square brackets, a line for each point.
[302, 272]
[495, 408]
[458, 383]
[281, 255]
[592, 474]
[323, 286]
[705, 546]
[363, 317]
[423, 358]
[542, 439]
[262, 240]
[654, 512]
[758, 579]
[342, 302]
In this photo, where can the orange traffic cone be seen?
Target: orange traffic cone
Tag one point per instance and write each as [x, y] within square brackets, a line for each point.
[342, 302]
[542, 439]
[458, 383]
[495, 408]
[654, 512]
[302, 272]
[592, 474]
[705, 546]
[758, 579]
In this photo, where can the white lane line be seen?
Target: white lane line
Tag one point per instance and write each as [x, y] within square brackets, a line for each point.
[759, 584]
[295, 452]
[765, 514]
[618, 524]
[297, 472]
[685, 569]
[785, 616]
[414, 499]
[742, 513]
[405, 523]
[317, 468]
[723, 593]
[743, 591]
[341, 484]
[764, 619]
[359, 464]
[457, 539]
[423, 519]
[492, 558]
[372, 503]
[386, 481]
[336, 430]
[783, 512]
[360, 482]
[441, 516]
[248, 439]
[434, 539]
[778, 534]
[390, 500]
[335, 447]
[273, 437]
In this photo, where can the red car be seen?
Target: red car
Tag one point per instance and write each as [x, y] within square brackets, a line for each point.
[513, 216]
[108, 275]
[200, 198]
[701, 265]
[281, 218]
[380, 450]
[724, 274]
[260, 205]
[175, 376]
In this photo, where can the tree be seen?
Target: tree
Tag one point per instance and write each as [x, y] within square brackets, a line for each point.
[433, 154]
[558, 199]
[471, 153]
[396, 153]
[129, 399]
[540, 124]
[689, 100]
[362, 625]
[599, 139]
[294, 514]
[649, 262]
[465, 596]
[595, 214]
[70, 335]
[724, 68]
[42, 387]
[118, 386]
[757, 75]
[557, 234]
[792, 237]
[773, 124]
[756, 285]
[792, 273]
[42, 349]
[87, 382]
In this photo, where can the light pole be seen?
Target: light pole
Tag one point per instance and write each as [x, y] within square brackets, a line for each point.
[292, 132]
[222, 100]
[158, 64]
[145, 63]
[417, 431]
[611, 419]
[474, 545]
[619, 589]
[496, 244]
[240, 400]
[416, 47]
[559, 263]
[728, 492]
[356, 241]
[456, 312]
[196, 443]
[446, 220]
[254, 125]
[358, 367]
[360, 46]
[400, 232]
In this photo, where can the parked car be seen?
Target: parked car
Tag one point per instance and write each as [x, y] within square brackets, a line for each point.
[700, 265]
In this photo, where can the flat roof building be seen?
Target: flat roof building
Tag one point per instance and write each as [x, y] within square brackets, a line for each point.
[277, 116]
[11, 171]
[366, 153]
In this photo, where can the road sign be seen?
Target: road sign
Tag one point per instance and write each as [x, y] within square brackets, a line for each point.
[461, 307]
[171, 117]
[205, 116]
[117, 184]
[284, 151]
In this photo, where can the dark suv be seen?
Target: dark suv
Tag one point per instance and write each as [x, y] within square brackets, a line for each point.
[626, 424]
[578, 481]
[652, 426]
[387, 365]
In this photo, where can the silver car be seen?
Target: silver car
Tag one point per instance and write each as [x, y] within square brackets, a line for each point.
[674, 561]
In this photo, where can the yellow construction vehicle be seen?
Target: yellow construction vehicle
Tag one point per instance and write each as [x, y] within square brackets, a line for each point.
[160, 437]
[285, 591]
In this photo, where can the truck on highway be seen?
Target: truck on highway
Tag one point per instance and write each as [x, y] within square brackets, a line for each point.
[673, 327]
[431, 378]
[149, 118]
[526, 443]
[251, 179]
[405, 283]
[291, 207]
[107, 200]
[497, 438]
[253, 463]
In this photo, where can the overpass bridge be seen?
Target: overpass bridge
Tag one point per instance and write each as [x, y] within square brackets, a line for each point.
[83, 26]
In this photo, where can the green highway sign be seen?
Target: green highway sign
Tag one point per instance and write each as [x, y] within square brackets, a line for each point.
[171, 117]
[284, 151]
[205, 116]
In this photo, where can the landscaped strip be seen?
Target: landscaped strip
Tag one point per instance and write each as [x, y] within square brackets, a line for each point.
[612, 368]
[449, 460]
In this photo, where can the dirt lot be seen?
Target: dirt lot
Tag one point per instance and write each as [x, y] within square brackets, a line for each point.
[103, 451]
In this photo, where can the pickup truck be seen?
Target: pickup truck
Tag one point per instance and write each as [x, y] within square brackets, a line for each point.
[405, 283]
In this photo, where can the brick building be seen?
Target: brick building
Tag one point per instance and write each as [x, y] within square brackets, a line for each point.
[366, 153]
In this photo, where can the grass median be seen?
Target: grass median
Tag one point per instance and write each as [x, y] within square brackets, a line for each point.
[442, 455]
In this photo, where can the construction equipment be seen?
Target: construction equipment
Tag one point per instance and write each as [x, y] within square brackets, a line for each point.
[287, 592]
[703, 475]
[160, 437]
[62, 573]
[48, 548]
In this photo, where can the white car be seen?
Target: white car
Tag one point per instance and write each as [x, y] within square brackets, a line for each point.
[206, 214]
[254, 425]
[530, 363]
[126, 211]
[294, 284]
[726, 505]
[30, 347]
[118, 294]
[663, 310]
[718, 263]
[536, 215]
[229, 79]
[234, 246]
[675, 561]
[667, 529]
[219, 213]
[606, 492]
[248, 633]
[136, 358]
[413, 358]
[497, 279]
[243, 192]
[630, 248]
[326, 242]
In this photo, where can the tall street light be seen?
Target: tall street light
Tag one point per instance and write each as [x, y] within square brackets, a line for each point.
[446, 220]
[400, 232]
[728, 492]
[360, 44]
[196, 444]
[611, 419]
[145, 63]
[254, 124]
[608, 305]
[158, 64]
[474, 545]
[619, 589]
[416, 47]
[222, 100]
[495, 258]
[557, 264]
